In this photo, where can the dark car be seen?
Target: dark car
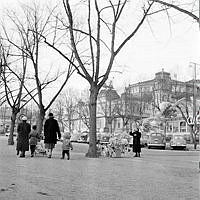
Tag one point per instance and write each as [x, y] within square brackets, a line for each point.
[144, 140]
[105, 139]
[178, 142]
[156, 140]
[84, 137]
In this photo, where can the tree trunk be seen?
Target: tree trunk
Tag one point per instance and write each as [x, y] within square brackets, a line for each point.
[192, 133]
[40, 121]
[12, 126]
[70, 124]
[92, 151]
[194, 141]
[165, 127]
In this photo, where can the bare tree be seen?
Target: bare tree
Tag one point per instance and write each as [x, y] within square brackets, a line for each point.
[67, 105]
[166, 112]
[132, 108]
[13, 80]
[188, 8]
[83, 112]
[31, 26]
[90, 63]
[59, 112]
[13, 76]
[108, 104]
[184, 106]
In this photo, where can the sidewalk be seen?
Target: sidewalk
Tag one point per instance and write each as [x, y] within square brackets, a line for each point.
[81, 178]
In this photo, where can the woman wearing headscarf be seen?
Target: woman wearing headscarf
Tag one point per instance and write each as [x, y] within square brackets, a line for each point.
[23, 131]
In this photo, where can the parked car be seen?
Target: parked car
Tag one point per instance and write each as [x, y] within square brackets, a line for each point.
[83, 137]
[143, 140]
[156, 140]
[105, 139]
[178, 142]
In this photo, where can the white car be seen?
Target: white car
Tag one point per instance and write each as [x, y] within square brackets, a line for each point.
[178, 142]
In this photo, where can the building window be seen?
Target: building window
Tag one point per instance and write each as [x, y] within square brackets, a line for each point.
[175, 127]
[188, 128]
[118, 125]
[169, 127]
[183, 126]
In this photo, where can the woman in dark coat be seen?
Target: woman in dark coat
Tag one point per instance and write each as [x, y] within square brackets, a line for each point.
[51, 129]
[23, 131]
[136, 142]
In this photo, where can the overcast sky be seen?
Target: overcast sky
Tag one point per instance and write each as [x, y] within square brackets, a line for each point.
[151, 50]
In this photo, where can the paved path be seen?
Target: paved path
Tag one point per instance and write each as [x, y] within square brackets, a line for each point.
[150, 177]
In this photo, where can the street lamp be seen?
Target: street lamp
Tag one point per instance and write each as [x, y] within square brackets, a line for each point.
[194, 65]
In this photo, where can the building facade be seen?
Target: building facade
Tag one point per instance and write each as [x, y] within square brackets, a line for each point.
[165, 89]
[117, 113]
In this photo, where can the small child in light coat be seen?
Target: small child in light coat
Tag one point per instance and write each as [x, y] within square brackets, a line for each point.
[34, 137]
[66, 146]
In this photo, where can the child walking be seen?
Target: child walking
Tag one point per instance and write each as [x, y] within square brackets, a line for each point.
[34, 136]
[66, 146]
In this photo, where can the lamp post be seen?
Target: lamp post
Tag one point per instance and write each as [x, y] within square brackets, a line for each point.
[194, 65]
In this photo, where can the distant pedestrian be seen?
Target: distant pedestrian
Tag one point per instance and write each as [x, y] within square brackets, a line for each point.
[136, 142]
[51, 130]
[23, 130]
[66, 146]
[34, 138]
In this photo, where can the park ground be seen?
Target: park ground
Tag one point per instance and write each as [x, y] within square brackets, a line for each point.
[157, 175]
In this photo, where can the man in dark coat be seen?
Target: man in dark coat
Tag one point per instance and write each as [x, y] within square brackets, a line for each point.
[23, 131]
[136, 142]
[51, 130]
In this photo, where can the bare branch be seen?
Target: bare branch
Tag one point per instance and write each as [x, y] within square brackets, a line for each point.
[69, 14]
[178, 8]
[135, 31]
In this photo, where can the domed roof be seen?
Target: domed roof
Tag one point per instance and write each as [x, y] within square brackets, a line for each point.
[109, 93]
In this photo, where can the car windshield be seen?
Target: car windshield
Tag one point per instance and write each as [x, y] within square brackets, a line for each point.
[156, 135]
[178, 137]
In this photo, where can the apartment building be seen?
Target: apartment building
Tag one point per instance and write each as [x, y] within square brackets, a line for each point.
[165, 89]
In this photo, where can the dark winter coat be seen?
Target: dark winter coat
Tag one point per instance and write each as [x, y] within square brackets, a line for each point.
[23, 131]
[136, 141]
[51, 130]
